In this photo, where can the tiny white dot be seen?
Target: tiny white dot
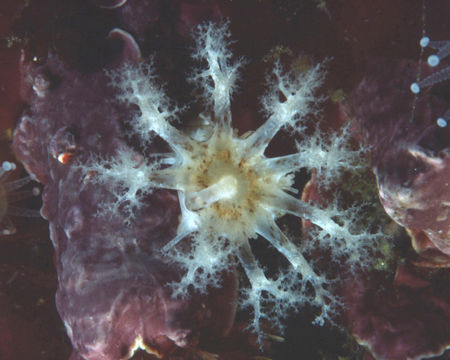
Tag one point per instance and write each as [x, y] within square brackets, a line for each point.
[433, 60]
[415, 88]
[8, 166]
[441, 122]
[424, 41]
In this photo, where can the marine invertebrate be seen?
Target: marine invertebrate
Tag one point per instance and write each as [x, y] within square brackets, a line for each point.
[416, 193]
[441, 75]
[402, 118]
[228, 190]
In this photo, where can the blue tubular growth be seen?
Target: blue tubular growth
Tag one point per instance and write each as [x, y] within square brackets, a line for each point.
[433, 60]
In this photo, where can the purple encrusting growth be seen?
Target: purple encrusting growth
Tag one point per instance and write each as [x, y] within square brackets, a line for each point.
[112, 282]
[228, 190]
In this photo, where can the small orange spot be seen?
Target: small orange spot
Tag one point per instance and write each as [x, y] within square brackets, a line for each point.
[64, 158]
